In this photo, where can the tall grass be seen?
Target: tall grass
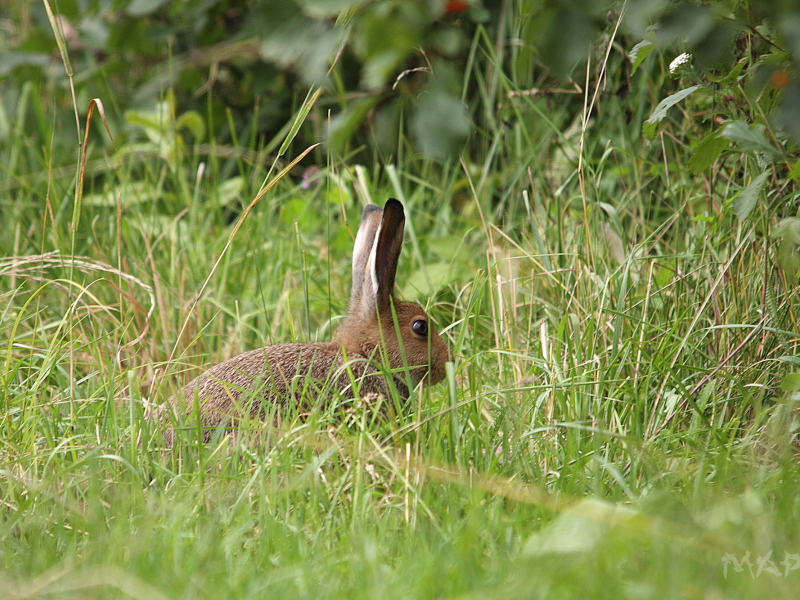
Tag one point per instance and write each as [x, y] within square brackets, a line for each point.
[614, 425]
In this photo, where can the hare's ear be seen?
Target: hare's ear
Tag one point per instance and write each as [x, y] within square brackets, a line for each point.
[386, 253]
[365, 240]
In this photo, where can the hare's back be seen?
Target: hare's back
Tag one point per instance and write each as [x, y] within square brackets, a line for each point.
[283, 375]
[260, 374]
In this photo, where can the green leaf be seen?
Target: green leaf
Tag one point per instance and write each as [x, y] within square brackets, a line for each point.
[788, 260]
[745, 202]
[748, 137]
[732, 76]
[154, 123]
[449, 248]
[567, 36]
[433, 278]
[640, 51]
[11, 60]
[193, 122]
[230, 191]
[791, 382]
[660, 111]
[441, 124]
[581, 528]
[308, 103]
[378, 68]
[788, 229]
[128, 194]
[62, 46]
[795, 171]
[323, 9]
[788, 232]
[138, 8]
[706, 152]
[344, 125]
[789, 106]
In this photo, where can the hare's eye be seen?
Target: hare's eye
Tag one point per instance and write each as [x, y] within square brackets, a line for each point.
[420, 327]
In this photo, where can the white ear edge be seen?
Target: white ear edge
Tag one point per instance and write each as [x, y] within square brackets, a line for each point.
[373, 271]
[358, 248]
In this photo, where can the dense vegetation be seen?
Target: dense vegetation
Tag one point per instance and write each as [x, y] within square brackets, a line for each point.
[605, 229]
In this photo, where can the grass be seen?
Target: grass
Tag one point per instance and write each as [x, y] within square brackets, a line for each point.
[614, 425]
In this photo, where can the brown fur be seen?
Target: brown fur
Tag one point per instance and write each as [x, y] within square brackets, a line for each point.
[276, 375]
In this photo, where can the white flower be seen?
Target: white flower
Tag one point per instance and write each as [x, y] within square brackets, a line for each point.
[679, 60]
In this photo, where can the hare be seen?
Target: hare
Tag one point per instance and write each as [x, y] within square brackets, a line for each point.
[378, 330]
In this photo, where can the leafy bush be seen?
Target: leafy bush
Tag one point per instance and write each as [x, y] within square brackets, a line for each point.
[392, 71]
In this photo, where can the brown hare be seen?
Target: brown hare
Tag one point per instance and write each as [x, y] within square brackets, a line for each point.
[252, 382]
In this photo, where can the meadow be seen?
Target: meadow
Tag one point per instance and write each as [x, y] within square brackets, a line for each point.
[616, 276]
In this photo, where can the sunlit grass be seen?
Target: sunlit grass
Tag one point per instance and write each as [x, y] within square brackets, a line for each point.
[614, 425]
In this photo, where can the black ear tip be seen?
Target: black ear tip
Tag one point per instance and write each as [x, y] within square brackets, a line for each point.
[393, 204]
